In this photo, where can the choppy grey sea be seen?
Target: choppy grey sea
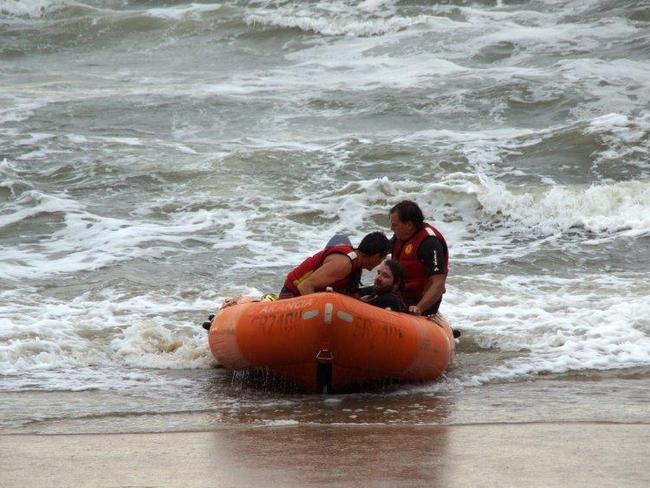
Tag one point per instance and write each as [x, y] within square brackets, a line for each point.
[157, 157]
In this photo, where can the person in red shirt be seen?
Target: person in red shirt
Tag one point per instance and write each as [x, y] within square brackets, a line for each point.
[422, 251]
[338, 267]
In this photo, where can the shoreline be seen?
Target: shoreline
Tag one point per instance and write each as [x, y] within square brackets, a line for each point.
[232, 427]
[583, 454]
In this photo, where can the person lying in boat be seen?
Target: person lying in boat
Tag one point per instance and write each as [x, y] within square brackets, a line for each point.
[338, 267]
[422, 251]
[385, 291]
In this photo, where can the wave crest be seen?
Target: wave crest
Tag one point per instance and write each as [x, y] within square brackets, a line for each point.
[605, 208]
[35, 9]
[343, 26]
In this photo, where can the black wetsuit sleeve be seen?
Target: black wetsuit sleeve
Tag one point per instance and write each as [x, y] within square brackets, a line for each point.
[365, 290]
[389, 300]
[432, 255]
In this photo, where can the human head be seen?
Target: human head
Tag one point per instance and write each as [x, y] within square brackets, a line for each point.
[375, 247]
[406, 219]
[390, 277]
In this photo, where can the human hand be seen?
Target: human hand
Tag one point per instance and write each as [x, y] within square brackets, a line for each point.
[415, 310]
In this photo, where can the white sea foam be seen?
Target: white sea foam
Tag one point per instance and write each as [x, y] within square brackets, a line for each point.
[193, 10]
[338, 26]
[541, 32]
[109, 328]
[35, 9]
[608, 208]
[18, 109]
[567, 330]
[280, 423]
[87, 241]
[623, 137]
[602, 208]
[258, 204]
[28, 8]
[379, 6]
[562, 330]
[615, 85]
[77, 138]
[319, 69]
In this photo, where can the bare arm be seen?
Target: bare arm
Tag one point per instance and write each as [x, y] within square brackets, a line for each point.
[336, 267]
[432, 254]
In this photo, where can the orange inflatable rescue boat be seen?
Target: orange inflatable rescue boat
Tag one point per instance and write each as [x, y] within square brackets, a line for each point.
[328, 342]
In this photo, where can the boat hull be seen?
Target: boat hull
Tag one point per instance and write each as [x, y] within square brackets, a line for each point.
[328, 342]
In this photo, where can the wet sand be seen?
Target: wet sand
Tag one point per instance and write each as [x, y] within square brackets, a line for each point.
[568, 455]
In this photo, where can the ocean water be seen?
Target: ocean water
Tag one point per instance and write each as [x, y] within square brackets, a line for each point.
[157, 157]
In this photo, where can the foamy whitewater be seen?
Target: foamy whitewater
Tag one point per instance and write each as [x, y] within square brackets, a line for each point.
[158, 157]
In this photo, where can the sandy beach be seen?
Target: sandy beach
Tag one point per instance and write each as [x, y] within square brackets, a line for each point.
[531, 455]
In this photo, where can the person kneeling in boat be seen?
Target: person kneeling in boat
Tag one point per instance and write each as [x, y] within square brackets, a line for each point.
[338, 267]
[386, 290]
[421, 249]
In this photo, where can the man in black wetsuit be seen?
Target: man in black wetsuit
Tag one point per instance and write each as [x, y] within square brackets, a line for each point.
[386, 289]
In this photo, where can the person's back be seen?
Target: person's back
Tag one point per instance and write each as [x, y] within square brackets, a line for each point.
[338, 267]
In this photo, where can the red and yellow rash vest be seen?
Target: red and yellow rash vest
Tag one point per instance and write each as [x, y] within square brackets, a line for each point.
[406, 252]
[311, 264]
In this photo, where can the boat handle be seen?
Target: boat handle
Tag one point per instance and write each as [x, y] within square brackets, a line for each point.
[325, 356]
